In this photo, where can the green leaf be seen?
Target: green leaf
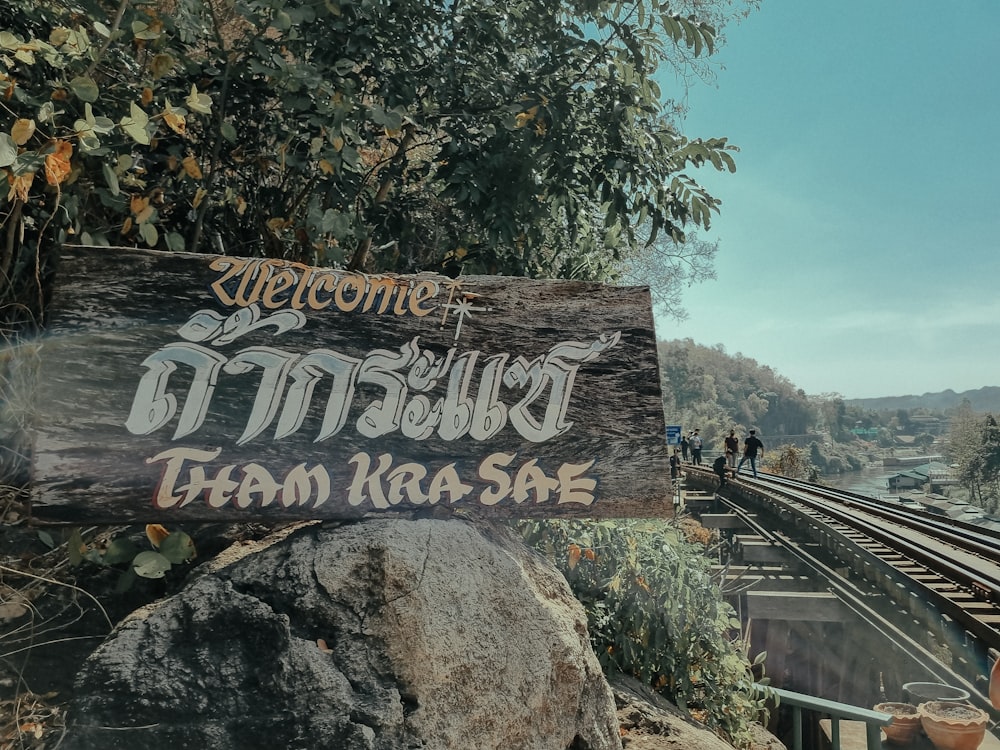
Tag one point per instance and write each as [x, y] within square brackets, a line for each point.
[390, 120]
[47, 539]
[126, 580]
[89, 143]
[120, 551]
[613, 235]
[47, 112]
[75, 547]
[198, 102]
[282, 21]
[101, 125]
[8, 150]
[150, 564]
[85, 88]
[350, 156]
[135, 125]
[177, 547]
[228, 132]
[336, 223]
[149, 233]
[142, 31]
[175, 242]
[110, 178]
[9, 40]
[343, 66]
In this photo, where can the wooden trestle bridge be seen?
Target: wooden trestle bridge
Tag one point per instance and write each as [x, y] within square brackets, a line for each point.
[845, 592]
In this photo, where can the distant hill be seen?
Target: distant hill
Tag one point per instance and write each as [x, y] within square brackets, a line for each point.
[983, 400]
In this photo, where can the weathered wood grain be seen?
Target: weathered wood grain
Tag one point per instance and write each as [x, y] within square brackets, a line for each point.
[113, 309]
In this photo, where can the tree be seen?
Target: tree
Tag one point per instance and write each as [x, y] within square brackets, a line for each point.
[669, 266]
[984, 464]
[791, 462]
[707, 388]
[834, 413]
[530, 139]
[974, 444]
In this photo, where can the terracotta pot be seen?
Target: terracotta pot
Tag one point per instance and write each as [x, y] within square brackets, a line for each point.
[953, 726]
[921, 692]
[905, 722]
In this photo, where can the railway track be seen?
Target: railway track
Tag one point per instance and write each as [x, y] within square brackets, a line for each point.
[947, 568]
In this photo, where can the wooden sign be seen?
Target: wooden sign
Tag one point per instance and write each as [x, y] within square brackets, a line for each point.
[189, 387]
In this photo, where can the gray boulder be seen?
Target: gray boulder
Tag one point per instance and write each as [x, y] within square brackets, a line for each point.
[379, 635]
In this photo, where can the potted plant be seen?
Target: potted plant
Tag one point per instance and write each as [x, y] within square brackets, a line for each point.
[905, 722]
[953, 726]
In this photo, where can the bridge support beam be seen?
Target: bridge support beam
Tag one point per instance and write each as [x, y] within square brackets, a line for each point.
[723, 521]
[815, 606]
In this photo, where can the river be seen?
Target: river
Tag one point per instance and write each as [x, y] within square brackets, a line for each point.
[869, 481]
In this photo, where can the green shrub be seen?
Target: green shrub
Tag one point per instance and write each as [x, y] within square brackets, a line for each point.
[654, 613]
[167, 549]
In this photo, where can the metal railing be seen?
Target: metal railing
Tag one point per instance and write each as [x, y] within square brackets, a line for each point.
[836, 711]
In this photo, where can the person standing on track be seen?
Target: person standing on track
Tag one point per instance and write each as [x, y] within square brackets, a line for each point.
[675, 465]
[695, 443]
[732, 445]
[751, 446]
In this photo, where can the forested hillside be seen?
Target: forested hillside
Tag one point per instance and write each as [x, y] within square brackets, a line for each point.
[981, 400]
[708, 389]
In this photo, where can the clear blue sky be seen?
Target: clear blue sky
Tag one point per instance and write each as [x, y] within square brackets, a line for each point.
[860, 236]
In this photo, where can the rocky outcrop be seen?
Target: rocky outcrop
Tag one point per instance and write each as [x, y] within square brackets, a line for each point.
[650, 722]
[380, 635]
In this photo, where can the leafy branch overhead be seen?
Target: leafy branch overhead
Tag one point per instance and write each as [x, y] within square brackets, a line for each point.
[531, 139]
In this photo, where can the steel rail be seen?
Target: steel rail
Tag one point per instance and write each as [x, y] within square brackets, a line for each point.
[981, 585]
[977, 540]
[857, 603]
[956, 574]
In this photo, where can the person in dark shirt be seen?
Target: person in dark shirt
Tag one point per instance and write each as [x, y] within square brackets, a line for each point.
[675, 465]
[684, 447]
[720, 468]
[732, 445]
[751, 447]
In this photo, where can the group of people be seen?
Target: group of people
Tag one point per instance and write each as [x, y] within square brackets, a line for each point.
[725, 464]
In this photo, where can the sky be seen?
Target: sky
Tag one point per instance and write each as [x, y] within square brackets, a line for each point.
[859, 239]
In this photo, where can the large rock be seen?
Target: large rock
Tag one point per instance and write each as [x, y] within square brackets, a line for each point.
[386, 634]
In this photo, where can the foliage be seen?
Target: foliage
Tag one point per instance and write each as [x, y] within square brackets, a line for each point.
[530, 140]
[668, 267]
[974, 444]
[836, 458]
[655, 614]
[168, 549]
[791, 462]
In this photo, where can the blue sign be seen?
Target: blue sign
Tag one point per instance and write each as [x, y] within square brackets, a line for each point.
[673, 434]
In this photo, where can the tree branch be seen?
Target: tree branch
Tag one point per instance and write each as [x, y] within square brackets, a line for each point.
[119, 14]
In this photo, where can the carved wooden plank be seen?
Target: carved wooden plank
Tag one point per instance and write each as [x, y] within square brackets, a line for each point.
[186, 387]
